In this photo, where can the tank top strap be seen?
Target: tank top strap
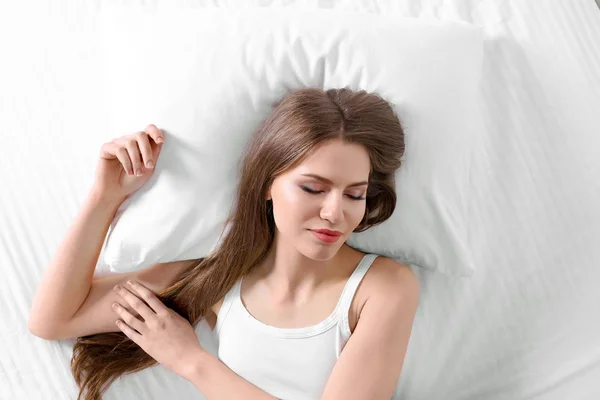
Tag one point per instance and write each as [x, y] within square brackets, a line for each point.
[350, 289]
[228, 301]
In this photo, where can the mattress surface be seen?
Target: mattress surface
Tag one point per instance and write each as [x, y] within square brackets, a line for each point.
[525, 326]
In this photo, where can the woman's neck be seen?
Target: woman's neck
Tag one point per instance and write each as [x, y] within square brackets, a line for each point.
[289, 275]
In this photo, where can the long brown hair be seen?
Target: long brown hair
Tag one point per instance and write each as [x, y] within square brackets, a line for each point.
[300, 122]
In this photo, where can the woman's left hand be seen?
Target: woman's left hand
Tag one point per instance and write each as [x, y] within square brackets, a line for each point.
[165, 335]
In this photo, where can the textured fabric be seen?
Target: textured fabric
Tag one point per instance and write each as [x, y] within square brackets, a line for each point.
[525, 326]
[209, 96]
[289, 363]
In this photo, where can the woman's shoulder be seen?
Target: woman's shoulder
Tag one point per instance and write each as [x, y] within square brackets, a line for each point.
[389, 283]
[385, 268]
[385, 275]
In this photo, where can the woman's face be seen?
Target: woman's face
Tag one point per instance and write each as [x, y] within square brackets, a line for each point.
[303, 202]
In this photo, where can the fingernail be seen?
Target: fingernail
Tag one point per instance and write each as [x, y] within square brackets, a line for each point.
[138, 172]
[150, 164]
[159, 140]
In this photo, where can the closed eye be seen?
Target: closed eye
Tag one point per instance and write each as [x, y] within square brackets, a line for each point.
[309, 190]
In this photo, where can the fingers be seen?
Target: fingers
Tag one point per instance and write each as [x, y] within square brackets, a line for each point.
[148, 296]
[157, 137]
[134, 155]
[145, 149]
[136, 304]
[128, 331]
[141, 150]
[155, 134]
[135, 152]
[112, 150]
[130, 319]
[123, 156]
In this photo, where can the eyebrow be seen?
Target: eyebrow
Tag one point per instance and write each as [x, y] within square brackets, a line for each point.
[331, 183]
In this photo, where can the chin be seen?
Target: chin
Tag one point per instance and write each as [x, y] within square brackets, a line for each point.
[318, 252]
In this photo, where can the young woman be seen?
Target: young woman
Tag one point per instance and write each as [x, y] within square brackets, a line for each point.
[298, 314]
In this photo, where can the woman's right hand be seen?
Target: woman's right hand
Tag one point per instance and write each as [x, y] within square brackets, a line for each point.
[127, 162]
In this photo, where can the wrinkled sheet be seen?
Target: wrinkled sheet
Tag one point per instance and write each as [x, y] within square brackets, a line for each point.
[525, 326]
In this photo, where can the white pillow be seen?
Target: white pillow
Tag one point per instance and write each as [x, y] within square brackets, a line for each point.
[209, 77]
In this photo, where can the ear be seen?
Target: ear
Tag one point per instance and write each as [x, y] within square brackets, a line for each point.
[268, 197]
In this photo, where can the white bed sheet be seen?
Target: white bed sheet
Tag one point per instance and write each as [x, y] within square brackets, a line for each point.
[525, 326]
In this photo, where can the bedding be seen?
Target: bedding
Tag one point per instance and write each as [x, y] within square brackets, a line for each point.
[210, 95]
[525, 325]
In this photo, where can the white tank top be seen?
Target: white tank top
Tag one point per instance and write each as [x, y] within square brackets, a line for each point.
[288, 363]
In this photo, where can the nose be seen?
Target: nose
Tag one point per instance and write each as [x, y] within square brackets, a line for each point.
[332, 209]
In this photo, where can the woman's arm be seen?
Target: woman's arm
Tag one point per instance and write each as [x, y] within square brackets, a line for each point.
[67, 280]
[370, 364]
[172, 341]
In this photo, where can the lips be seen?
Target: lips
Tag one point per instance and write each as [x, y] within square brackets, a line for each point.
[327, 232]
[324, 235]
